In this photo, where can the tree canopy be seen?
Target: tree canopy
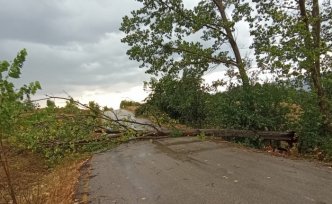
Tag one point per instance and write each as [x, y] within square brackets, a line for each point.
[293, 38]
[167, 37]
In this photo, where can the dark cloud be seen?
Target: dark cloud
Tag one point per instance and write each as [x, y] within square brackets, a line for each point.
[73, 45]
[94, 64]
[61, 21]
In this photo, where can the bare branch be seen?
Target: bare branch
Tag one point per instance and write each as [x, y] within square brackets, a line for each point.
[106, 117]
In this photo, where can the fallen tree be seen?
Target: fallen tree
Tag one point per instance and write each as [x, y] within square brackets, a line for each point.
[122, 130]
[266, 135]
[289, 137]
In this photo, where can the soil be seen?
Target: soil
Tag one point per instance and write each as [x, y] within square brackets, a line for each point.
[35, 182]
[26, 170]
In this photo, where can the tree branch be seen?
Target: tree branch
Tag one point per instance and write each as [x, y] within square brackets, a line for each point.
[212, 59]
[104, 116]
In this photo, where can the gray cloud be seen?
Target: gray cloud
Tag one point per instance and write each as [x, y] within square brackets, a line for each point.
[61, 21]
[73, 45]
[95, 64]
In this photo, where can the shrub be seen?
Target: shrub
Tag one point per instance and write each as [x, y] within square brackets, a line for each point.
[264, 107]
[124, 104]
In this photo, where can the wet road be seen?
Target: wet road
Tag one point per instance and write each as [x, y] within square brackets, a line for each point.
[127, 115]
[188, 170]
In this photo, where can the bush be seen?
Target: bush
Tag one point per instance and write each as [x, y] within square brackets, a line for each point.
[182, 99]
[264, 107]
[129, 105]
[124, 104]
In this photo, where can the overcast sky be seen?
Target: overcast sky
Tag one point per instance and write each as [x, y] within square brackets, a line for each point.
[73, 46]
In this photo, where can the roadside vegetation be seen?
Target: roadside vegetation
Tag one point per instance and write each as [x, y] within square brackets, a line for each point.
[292, 43]
[42, 147]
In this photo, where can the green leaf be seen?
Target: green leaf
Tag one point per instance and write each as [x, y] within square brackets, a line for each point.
[166, 37]
[16, 66]
[4, 66]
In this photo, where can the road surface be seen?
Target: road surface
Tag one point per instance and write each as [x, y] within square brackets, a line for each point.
[188, 170]
[127, 115]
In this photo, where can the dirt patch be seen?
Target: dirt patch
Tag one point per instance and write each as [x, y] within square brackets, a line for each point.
[26, 170]
[60, 185]
[82, 187]
[34, 182]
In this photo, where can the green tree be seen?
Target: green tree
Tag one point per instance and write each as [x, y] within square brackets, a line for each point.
[12, 99]
[50, 103]
[181, 98]
[293, 38]
[166, 37]
[12, 105]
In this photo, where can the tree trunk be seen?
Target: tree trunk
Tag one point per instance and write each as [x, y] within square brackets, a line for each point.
[235, 48]
[5, 166]
[289, 137]
[313, 42]
[267, 135]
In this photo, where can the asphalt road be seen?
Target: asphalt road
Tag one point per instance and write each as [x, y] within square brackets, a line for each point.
[127, 115]
[188, 170]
